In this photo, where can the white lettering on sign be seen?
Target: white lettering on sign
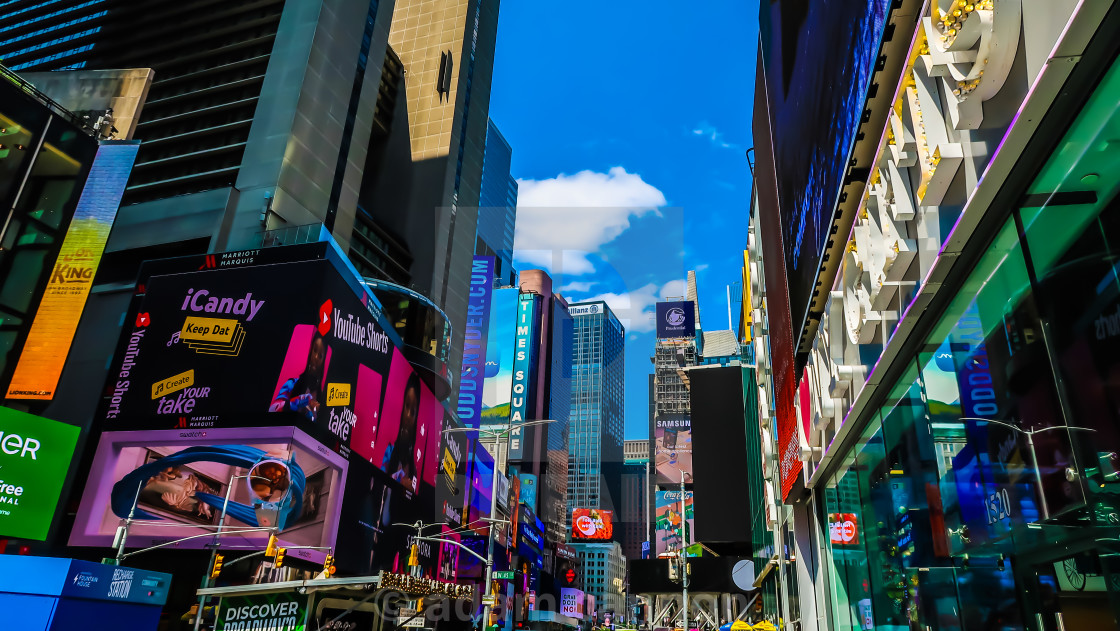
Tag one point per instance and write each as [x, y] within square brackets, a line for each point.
[16, 445]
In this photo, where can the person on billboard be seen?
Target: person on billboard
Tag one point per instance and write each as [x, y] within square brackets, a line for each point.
[302, 394]
[400, 457]
[176, 490]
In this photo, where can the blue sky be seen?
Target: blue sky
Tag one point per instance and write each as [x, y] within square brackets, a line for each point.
[629, 122]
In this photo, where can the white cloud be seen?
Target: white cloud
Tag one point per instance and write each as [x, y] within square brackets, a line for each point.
[635, 309]
[673, 289]
[563, 220]
[701, 267]
[714, 135]
[578, 287]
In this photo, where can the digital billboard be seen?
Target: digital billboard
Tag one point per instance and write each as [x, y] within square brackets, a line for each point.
[56, 319]
[826, 49]
[526, 349]
[592, 524]
[235, 348]
[452, 490]
[178, 479]
[498, 385]
[35, 454]
[719, 440]
[672, 448]
[667, 520]
[572, 602]
[676, 319]
[476, 329]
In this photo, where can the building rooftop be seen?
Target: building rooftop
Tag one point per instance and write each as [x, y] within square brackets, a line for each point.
[720, 344]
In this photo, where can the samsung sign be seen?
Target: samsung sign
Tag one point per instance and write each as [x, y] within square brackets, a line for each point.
[676, 319]
[585, 310]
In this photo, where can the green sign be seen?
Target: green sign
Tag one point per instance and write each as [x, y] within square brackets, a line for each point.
[285, 611]
[504, 576]
[35, 454]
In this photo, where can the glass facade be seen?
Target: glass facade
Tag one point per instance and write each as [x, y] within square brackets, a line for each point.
[497, 206]
[596, 417]
[985, 492]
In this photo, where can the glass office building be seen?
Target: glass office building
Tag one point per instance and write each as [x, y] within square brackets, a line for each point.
[596, 418]
[497, 206]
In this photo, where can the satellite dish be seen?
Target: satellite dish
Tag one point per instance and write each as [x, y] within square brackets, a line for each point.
[743, 575]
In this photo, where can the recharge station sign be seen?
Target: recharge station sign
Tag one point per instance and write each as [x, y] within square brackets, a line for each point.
[35, 454]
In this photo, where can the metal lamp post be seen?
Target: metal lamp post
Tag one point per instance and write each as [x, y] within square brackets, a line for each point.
[684, 556]
[499, 434]
[1029, 433]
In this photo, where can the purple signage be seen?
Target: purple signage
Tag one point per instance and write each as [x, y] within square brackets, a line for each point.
[474, 341]
[676, 319]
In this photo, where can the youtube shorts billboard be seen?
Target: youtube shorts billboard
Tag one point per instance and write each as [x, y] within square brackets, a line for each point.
[280, 344]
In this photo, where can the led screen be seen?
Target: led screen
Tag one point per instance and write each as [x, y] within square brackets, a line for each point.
[825, 49]
[177, 482]
[592, 524]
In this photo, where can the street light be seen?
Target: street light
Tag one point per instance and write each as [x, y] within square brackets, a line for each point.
[497, 434]
[1029, 433]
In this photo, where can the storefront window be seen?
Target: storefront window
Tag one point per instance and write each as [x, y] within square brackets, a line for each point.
[985, 492]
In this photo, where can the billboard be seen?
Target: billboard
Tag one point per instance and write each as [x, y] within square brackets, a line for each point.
[719, 439]
[676, 319]
[529, 490]
[452, 491]
[827, 49]
[572, 602]
[282, 611]
[473, 371]
[843, 529]
[526, 349]
[235, 348]
[56, 320]
[179, 479]
[667, 520]
[498, 385]
[592, 524]
[672, 448]
[35, 454]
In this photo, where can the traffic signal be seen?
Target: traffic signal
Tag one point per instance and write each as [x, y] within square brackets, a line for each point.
[218, 558]
[414, 555]
[328, 565]
[280, 552]
[270, 551]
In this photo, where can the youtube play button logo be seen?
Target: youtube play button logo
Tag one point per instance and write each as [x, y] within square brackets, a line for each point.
[325, 317]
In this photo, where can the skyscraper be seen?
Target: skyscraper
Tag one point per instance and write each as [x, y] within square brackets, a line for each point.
[254, 132]
[633, 514]
[446, 52]
[596, 419]
[497, 208]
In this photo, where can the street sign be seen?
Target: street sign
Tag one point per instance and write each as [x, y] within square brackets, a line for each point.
[409, 619]
[504, 575]
[490, 601]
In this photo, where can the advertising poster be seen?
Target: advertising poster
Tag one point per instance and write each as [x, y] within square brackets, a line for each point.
[235, 347]
[525, 352]
[56, 320]
[452, 489]
[528, 490]
[473, 371]
[367, 541]
[667, 521]
[35, 454]
[498, 384]
[572, 602]
[594, 524]
[284, 611]
[482, 488]
[676, 319]
[826, 49]
[672, 448]
[178, 479]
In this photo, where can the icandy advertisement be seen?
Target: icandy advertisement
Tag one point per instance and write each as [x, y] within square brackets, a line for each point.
[284, 344]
